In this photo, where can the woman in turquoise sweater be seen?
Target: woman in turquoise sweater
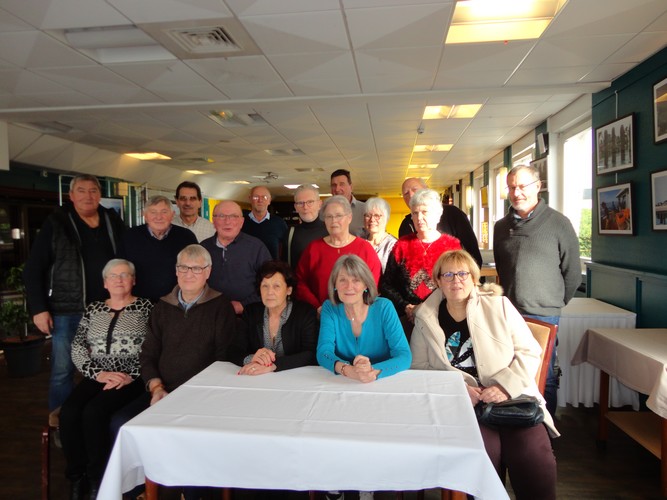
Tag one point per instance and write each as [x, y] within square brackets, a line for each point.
[360, 334]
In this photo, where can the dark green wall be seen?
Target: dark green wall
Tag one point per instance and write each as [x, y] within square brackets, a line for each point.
[633, 93]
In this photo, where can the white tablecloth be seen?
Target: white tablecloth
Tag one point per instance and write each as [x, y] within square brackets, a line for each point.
[581, 383]
[637, 357]
[307, 429]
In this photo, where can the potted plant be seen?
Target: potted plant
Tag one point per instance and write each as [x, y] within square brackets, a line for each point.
[23, 350]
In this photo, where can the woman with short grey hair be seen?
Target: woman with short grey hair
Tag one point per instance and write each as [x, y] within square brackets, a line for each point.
[319, 257]
[407, 280]
[376, 218]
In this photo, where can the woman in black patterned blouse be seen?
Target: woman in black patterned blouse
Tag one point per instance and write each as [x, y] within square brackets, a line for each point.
[106, 352]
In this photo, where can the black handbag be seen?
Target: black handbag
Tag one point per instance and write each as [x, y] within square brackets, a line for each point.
[522, 411]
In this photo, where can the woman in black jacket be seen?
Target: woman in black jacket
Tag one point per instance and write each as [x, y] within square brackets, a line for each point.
[278, 333]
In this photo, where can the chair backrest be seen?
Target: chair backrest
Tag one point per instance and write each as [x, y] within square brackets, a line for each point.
[545, 334]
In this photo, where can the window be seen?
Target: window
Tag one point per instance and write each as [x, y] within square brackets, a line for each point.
[577, 182]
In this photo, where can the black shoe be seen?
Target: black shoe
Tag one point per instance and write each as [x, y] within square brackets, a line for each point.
[78, 488]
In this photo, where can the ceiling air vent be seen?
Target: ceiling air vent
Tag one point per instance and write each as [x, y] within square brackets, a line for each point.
[205, 39]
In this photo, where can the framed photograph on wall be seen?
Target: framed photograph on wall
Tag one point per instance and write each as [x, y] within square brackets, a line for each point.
[659, 200]
[615, 146]
[541, 166]
[660, 111]
[615, 209]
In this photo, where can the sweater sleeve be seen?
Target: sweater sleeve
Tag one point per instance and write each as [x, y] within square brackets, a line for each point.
[570, 261]
[304, 326]
[326, 344]
[80, 353]
[399, 349]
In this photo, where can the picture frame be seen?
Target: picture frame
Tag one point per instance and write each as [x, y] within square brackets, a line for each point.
[541, 165]
[615, 215]
[615, 145]
[659, 200]
[660, 111]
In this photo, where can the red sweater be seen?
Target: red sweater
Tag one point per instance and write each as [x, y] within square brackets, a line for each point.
[317, 261]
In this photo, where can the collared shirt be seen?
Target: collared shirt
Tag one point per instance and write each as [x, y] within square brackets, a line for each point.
[187, 305]
[251, 215]
[163, 236]
[202, 228]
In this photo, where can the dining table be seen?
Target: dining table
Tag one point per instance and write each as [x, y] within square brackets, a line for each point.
[307, 429]
[580, 383]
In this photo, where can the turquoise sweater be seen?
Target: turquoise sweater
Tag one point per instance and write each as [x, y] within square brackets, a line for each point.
[382, 338]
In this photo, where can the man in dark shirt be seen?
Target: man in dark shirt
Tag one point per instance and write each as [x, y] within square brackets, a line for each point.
[271, 230]
[307, 204]
[153, 247]
[64, 273]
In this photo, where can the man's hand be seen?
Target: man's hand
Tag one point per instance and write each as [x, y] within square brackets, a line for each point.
[44, 322]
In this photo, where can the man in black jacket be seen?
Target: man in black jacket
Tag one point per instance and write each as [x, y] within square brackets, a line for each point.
[64, 273]
[453, 221]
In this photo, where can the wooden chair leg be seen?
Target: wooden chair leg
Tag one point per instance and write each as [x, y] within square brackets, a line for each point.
[151, 490]
[452, 495]
[46, 461]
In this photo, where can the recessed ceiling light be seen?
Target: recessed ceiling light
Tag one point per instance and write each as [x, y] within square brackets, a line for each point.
[432, 148]
[476, 21]
[454, 111]
[148, 156]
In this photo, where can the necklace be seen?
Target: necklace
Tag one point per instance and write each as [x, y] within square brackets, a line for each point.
[425, 247]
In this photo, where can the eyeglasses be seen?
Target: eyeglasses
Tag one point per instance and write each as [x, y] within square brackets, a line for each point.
[226, 216]
[257, 197]
[334, 217]
[301, 204]
[122, 276]
[375, 217]
[195, 269]
[520, 187]
[462, 275]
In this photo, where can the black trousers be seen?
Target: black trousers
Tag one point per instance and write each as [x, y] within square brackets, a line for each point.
[84, 426]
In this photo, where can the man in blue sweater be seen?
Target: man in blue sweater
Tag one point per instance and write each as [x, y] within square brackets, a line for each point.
[153, 247]
[537, 257]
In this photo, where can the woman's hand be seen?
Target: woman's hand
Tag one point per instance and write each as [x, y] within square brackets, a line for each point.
[157, 390]
[493, 394]
[253, 368]
[264, 357]
[113, 380]
[360, 369]
[410, 312]
[474, 393]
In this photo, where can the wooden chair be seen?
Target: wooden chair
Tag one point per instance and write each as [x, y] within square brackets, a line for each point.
[545, 334]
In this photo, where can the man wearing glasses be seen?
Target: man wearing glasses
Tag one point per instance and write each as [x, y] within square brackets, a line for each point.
[307, 204]
[537, 257]
[236, 256]
[189, 200]
[152, 248]
[272, 230]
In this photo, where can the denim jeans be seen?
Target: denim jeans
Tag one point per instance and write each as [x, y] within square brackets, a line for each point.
[62, 368]
[551, 389]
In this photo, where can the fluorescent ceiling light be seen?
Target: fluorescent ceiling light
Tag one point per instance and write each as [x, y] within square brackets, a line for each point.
[456, 111]
[228, 118]
[238, 182]
[424, 166]
[114, 44]
[477, 21]
[432, 148]
[195, 172]
[148, 156]
[294, 186]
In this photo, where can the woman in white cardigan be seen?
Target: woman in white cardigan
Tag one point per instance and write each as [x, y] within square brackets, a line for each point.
[479, 332]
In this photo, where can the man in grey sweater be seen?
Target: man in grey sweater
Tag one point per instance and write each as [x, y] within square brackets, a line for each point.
[536, 251]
